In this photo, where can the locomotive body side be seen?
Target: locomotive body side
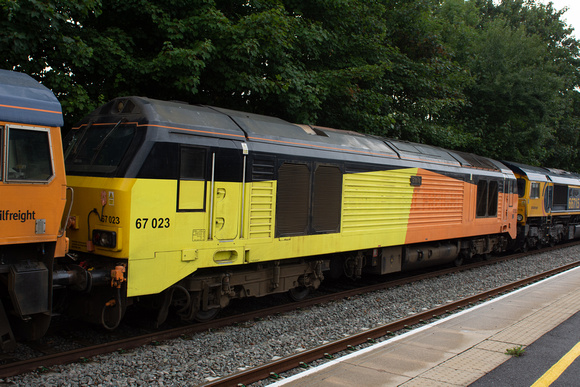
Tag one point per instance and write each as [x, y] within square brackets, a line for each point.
[34, 194]
[221, 204]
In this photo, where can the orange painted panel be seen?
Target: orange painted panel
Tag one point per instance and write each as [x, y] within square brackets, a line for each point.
[26, 203]
[444, 208]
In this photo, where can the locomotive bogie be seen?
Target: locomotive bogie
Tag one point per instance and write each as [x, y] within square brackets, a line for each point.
[214, 291]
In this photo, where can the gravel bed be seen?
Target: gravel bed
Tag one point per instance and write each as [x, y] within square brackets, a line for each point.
[201, 357]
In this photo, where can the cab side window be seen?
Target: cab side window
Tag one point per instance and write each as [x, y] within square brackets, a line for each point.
[487, 195]
[28, 155]
[521, 188]
[192, 189]
[535, 191]
[192, 166]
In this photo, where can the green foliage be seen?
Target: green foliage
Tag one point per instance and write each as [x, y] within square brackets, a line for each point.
[514, 92]
[42, 38]
[524, 66]
[515, 351]
[495, 78]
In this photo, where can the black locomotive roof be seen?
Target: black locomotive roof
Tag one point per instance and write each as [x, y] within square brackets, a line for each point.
[166, 115]
[218, 122]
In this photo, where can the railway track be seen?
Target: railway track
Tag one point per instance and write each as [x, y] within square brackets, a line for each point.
[245, 377]
[301, 359]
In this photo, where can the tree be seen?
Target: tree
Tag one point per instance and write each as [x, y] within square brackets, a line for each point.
[524, 66]
[42, 38]
[497, 79]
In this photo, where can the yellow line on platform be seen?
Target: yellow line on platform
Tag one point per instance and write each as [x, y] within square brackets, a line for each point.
[557, 369]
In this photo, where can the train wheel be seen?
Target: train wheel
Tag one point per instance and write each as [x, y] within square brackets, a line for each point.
[206, 315]
[463, 254]
[526, 246]
[298, 293]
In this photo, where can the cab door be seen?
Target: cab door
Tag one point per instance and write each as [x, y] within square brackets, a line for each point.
[506, 198]
[509, 198]
[548, 198]
[226, 211]
[226, 191]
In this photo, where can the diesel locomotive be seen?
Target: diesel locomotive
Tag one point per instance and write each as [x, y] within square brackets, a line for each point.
[548, 205]
[34, 193]
[186, 207]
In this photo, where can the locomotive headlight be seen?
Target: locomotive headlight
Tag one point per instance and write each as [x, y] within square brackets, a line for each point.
[105, 238]
[520, 217]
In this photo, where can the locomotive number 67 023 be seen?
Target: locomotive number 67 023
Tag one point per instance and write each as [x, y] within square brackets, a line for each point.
[143, 223]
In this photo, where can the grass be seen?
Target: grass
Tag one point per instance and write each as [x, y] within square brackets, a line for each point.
[515, 351]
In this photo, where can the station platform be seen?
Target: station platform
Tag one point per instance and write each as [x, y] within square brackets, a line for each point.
[463, 348]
